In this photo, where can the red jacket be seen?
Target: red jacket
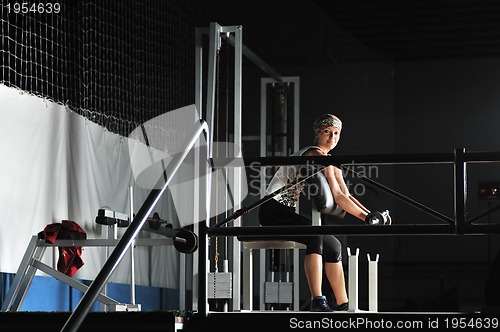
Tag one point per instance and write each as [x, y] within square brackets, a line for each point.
[69, 257]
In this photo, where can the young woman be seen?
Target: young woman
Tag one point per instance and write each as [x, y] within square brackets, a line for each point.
[324, 251]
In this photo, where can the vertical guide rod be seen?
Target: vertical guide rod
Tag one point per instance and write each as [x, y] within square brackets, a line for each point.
[460, 191]
[132, 262]
[237, 173]
[76, 318]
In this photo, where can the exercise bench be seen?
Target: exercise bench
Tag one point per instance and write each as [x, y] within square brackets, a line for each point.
[251, 243]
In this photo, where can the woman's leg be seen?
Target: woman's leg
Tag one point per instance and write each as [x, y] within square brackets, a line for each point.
[274, 213]
[313, 268]
[334, 270]
[335, 274]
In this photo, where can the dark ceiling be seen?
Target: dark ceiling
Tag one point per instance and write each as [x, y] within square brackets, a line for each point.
[422, 29]
[291, 32]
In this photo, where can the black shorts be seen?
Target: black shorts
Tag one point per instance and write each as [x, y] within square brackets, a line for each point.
[273, 213]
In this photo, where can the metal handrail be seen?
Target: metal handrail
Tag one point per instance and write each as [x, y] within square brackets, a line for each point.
[77, 316]
[459, 224]
[359, 160]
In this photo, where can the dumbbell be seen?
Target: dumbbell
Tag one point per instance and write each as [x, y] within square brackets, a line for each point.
[185, 241]
[379, 218]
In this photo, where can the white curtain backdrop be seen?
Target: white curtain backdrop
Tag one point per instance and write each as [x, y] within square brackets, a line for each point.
[55, 165]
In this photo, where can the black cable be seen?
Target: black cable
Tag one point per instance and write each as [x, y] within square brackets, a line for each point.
[399, 195]
[266, 198]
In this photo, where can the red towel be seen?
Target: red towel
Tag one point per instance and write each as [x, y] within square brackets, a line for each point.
[69, 257]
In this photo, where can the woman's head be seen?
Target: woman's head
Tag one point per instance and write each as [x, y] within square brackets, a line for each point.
[326, 120]
[327, 130]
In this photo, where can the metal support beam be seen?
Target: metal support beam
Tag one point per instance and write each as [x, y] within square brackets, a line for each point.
[456, 225]
[353, 279]
[373, 283]
[460, 191]
[76, 318]
[233, 35]
[277, 232]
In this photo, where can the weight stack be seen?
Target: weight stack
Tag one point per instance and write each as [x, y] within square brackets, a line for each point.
[220, 285]
[278, 292]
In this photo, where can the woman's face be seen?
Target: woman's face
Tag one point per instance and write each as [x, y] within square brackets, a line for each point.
[328, 138]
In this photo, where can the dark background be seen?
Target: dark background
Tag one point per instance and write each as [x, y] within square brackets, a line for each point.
[404, 76]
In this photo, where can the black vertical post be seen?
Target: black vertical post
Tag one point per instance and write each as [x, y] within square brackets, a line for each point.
[202, 272]
[460, 191]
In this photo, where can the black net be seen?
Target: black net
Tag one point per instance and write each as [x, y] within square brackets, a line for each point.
[118, 63]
